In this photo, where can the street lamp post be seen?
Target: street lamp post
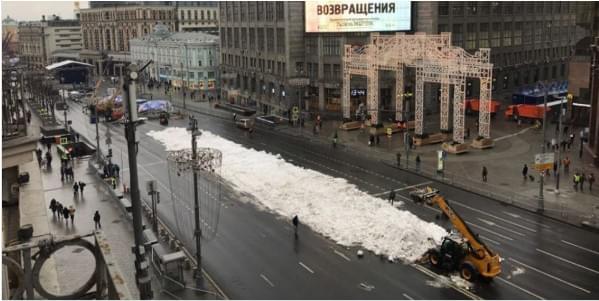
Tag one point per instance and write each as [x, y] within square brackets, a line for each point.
[559, 139]
[195, 132]
[541, 205]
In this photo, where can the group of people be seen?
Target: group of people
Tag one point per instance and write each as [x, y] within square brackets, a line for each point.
[47, 163]
[62, 211]
[580, 178]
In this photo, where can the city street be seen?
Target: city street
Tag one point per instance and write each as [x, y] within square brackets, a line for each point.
[254, 254]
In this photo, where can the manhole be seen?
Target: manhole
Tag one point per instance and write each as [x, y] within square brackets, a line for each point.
[504, 184]
[78, 250]
[116, 221]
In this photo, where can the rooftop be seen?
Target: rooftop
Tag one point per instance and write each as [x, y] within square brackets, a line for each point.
[162, 34]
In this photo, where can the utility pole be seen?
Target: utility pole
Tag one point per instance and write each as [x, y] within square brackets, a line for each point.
[541, 205]
[142, 276]
[195, 132]
[559, 139]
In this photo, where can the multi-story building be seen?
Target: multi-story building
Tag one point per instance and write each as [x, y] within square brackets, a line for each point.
[41, 40]
[9, 32]
[265, 43]
[107, 27]
[185, 59]
[198, 16]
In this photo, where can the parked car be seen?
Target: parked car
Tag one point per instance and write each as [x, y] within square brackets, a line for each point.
[245, 123]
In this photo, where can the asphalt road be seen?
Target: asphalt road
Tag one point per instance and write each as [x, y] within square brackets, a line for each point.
[255, 256]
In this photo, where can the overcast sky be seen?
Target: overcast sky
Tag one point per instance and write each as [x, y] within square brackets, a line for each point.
[33, 10]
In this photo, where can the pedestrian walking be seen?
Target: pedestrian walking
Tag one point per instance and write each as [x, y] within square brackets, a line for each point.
[62, 172]
[72, 213]
[53, 206]
[75, 189]
[81, 186]
[70, 174]
[418, 162]
[28, 116]
[59, 209]
[555, 168]
[335, 136]
[392, 197]
[295, 222]
[485, 172]
[48, 160]
[97, 220]
[525, 172]
[576, 179]
[591, 180]
[467, 133]
[581, 180]
[38, 154]
[566, 163]
[49, 146]
[65, 214]
[234, 116]
[398, 156]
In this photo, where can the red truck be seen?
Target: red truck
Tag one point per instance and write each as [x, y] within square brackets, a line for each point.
[473, 104]
[532, 112]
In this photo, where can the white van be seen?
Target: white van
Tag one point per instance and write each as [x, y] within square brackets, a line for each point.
[245, 123]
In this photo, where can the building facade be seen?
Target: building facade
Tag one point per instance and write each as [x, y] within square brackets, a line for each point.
[198, 16]
[185, 59]
[265, 42]
[41, 40]
[10, 35]
[107, 27]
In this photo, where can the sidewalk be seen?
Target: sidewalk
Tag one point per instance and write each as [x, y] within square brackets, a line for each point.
[514, 146]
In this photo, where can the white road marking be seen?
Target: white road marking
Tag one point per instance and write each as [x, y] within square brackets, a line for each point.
[342, 255]
[520, 288]
[551, 276]
[267, 281]
[488, 239]
[306, 267]
[494, 216]
[582, 248]
[525, 219]
[434, 275]
[568, 261]
[407, 296]
[490, 231]
[490, 223]
[512, 135]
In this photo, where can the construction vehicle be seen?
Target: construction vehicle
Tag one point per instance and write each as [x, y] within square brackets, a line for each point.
[473, 104]
[526, 112]
[464, 252]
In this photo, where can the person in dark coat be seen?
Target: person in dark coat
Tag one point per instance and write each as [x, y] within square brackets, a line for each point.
[62, 172]
[398, 156]
[71, 212]
[53, 206]
[75, 189]
[295, 222]
[392, 197]
[81, 186]
[485, 172]
[59, 209]
[38, 154]
[65, 214]
[525, 171]
[582, 179]
[97, 220]
[48, 160]
[591, 179]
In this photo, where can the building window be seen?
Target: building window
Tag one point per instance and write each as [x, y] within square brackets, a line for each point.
[471, 36]
[236, 37]
[252, 38]
[518, 34]
[242, 11]
[505, 82]
[280, 40]
[496, 35]
[457, 8]
[554, 72]
[244, 38]
[330, 46]
[484, 35]
[312, 45]
[229, 37]
[260, 10]
[458, 38]
[508, 8]
[562, 70]
[443, 8]
[538, 32]
[495, 8]
[527, 34]
[280, 11]
[270, 40]
[471, 8]
[336, 71]
[270, 11]
[189, 14]
[195, 14]
[443, 28]
[507, 34]
[260, 39]
[485, 8]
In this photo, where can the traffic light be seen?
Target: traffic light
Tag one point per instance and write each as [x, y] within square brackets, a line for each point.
[110, 153]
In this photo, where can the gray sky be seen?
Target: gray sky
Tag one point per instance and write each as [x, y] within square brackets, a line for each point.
[33, 10]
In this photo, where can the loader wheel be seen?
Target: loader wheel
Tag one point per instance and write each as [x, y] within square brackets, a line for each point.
[467, 272]
[433, 258]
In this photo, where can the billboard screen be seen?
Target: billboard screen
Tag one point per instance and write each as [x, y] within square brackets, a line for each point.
[356, 16]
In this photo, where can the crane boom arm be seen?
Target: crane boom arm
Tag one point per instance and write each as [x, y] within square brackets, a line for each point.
[478, 246]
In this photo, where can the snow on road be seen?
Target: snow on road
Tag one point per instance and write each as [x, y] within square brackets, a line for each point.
[328, 205]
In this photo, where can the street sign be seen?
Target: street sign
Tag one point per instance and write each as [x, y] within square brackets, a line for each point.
[440, 161]
[294, 113]
[544, 161]
[389, 132]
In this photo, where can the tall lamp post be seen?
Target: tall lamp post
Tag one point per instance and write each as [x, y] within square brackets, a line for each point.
[541, 204]
[195, 132]
[559, 139]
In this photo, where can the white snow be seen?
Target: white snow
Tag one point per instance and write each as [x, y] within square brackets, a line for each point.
[329, 205]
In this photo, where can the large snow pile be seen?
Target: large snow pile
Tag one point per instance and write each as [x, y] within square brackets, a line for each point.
[329, 205]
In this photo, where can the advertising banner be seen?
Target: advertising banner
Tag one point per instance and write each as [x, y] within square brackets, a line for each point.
[358, 16]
